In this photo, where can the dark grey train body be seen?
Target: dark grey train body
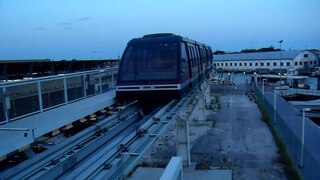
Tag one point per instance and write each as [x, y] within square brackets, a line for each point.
[161, 66]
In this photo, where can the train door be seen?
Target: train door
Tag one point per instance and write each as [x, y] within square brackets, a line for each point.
[184, 70]
[190, 62]
[195, 64]
[204, 60]
[199, 63]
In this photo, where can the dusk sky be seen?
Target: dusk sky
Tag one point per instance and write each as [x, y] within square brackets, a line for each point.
[99, 29]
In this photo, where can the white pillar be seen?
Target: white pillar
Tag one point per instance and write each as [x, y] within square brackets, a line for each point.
[183, 145]
[303, 134]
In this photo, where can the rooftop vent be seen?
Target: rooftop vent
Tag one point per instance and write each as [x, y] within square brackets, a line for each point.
[158, 35]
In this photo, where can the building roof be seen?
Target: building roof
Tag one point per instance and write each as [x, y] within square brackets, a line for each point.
[258, 56]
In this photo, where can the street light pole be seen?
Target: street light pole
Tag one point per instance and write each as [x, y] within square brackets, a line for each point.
[280, 42]
[304, 110]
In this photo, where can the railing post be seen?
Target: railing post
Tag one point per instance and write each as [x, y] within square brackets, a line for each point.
[65, 89]
[112, 78]
[5, 107]
[40, 96]
[100, 83]
[85, 87]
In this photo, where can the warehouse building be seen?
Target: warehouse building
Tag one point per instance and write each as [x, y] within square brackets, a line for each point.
[282, 61]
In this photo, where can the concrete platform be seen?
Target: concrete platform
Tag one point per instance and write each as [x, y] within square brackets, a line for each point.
[155, 174]
[42, 123]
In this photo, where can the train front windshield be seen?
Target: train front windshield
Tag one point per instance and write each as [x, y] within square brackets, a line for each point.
[149, 62]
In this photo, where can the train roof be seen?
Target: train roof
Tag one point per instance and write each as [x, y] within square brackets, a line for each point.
[167, 37]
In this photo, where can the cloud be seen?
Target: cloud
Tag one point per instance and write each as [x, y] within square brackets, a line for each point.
[84, 18]
[65, 24]
[39, 29]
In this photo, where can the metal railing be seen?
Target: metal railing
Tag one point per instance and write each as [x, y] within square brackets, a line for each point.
[293, 143]
[300, 91]
[26, 97]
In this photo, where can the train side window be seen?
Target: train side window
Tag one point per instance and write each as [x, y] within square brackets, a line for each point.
[184, 58]
[194, 57]
[197, 54]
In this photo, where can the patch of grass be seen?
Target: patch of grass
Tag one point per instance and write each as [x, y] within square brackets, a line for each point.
[203, 165]
[145, 164]
[133, 170]
[289, 167]
[217, 99]
[213, 123]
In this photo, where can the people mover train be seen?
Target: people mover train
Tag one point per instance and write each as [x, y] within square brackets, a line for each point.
[161, 66]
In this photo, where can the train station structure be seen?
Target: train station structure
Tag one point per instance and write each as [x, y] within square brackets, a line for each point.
[30, 68]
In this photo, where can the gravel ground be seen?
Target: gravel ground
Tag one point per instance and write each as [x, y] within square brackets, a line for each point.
[234, 137]
[240, 141]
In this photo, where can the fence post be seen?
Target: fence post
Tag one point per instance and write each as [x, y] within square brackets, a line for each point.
[65, 89]
[40, 96]
[5, 108]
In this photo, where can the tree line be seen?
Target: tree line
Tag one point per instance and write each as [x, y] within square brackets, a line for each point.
[264, 49]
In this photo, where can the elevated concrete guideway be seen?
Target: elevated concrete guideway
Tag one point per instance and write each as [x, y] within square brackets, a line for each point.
[23, 132]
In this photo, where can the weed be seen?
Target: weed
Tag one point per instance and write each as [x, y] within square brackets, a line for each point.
[213, 123]
[284, 158]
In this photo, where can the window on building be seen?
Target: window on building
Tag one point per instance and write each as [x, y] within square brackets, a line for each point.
[261, 64]
[235, 64]
[274, 64]
[300, 63]
[230, 64]
[256, 64]
[315, 62]
[310, 62]
[305, 55]
[268, 64]
[281, 64]
[245, 64]
[296, 63]
[288, 63]
[250, 64]
[226, 64]
[214, 64]
[240, 64]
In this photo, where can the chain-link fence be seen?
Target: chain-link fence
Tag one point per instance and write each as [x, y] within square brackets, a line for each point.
[115, 76]
[106, 80]
[23, 98]
[92, 84]
[291, 139]
[75, 87]
[28, 97]
[52, 93]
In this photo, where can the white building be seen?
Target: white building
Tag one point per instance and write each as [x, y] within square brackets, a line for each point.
[275, 60]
